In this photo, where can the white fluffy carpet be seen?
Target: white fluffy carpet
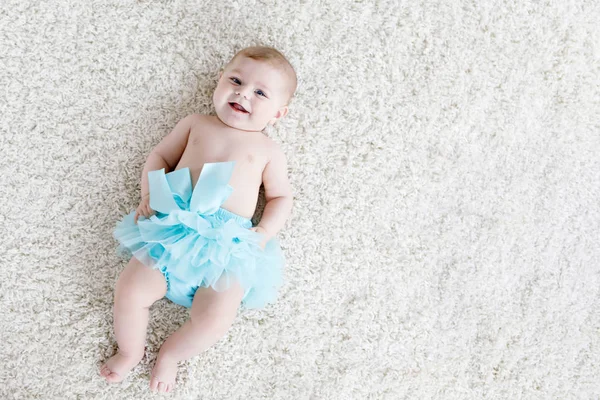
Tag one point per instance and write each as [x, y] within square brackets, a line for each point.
[444, 242]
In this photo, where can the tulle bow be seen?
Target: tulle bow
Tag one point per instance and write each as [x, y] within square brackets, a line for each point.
[173, 191]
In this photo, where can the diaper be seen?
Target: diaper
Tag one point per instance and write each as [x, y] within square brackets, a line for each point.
[196, 243]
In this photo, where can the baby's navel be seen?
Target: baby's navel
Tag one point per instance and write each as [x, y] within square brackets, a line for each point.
[250, 158]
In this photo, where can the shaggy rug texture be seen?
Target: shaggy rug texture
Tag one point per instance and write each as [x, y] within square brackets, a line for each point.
[444, 242]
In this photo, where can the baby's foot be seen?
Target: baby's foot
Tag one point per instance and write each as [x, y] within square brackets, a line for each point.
[163, 375]
[117, 367]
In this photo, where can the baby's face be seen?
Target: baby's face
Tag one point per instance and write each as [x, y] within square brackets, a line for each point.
[250, 95]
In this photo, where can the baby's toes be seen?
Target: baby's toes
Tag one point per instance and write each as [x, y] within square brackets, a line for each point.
[104, 371]
[154, 384]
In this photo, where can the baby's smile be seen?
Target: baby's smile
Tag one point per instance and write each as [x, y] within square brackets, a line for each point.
[238, 108]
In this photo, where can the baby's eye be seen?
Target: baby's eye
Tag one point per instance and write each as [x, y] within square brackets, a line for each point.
[261, 93]
[235, 80]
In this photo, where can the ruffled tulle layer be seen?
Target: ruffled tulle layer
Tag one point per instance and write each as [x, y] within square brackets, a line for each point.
[204, 251]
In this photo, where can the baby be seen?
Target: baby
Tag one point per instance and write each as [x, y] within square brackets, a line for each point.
[191, 238]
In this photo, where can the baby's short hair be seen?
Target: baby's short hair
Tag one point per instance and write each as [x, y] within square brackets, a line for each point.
[273, 57]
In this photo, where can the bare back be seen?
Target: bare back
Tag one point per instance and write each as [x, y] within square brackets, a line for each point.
[212, 141]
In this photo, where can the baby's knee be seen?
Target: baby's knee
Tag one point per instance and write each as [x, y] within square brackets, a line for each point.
[209, 320]
[131, 293]
[128, 294]
[139, 285]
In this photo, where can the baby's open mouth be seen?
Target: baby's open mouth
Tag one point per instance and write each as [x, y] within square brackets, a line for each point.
[238, 108]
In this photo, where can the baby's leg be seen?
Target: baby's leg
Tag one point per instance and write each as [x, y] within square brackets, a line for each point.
[137, 289]
[211, 315]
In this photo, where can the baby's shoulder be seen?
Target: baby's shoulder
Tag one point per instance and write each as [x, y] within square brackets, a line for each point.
[201, 125]
[196, 119]
[274, 151]
[270, 145]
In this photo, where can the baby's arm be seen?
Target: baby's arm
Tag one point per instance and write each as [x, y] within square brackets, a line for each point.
[168, 152]
[278, 194]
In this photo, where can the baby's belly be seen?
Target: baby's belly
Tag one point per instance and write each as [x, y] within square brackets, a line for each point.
[242, 202]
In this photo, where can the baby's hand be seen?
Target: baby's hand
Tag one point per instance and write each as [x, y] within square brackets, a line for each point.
[144, 208]
[261, 230]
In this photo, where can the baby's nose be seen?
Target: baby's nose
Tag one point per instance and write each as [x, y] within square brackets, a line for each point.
[241, 92]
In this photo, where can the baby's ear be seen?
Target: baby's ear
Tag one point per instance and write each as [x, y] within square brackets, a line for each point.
[282, 112]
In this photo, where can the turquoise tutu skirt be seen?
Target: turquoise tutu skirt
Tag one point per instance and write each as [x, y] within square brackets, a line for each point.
[196, 243]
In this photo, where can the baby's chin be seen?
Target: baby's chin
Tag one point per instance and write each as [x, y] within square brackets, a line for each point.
[240, 124]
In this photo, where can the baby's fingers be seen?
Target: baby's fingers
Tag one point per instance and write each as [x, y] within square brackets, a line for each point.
[149, 212]
[144, 210]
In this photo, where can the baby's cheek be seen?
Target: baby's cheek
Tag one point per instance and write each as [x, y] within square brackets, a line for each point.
[219, 93]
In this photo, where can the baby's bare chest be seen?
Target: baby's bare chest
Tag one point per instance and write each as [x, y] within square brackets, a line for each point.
[248, 153]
